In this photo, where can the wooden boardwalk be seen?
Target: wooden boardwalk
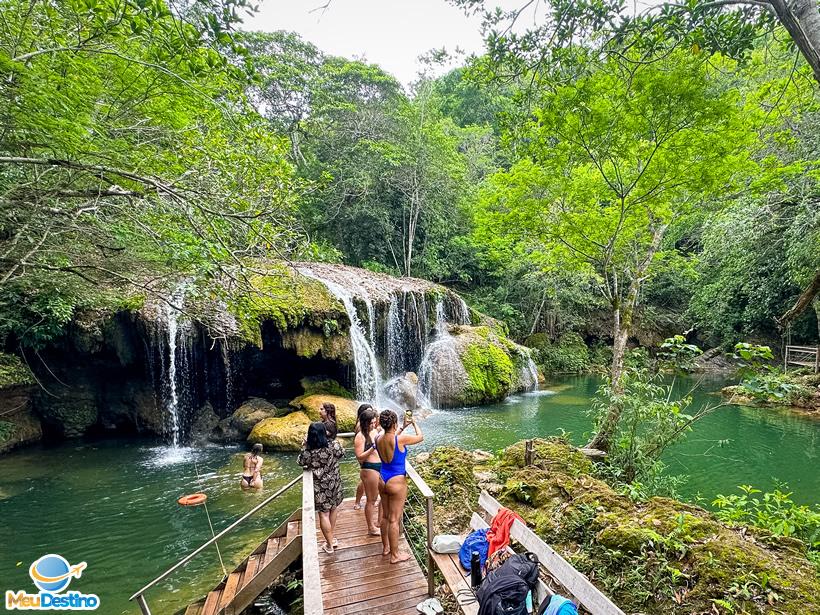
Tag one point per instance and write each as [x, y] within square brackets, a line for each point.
[357, 579]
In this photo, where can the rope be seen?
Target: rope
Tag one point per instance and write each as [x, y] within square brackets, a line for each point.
[211, 525]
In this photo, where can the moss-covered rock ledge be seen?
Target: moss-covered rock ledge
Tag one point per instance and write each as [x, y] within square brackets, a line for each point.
[658, 556]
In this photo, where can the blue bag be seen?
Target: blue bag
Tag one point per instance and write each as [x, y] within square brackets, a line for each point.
[475, 541]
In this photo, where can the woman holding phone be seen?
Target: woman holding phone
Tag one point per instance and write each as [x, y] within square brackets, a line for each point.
[392, 449]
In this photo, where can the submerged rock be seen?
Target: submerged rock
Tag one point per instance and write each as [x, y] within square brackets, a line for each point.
[284, 433]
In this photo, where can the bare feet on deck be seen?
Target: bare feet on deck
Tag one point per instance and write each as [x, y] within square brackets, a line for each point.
[386, 552]
[401, 557]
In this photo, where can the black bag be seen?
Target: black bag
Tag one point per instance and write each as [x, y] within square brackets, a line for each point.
[504, 590]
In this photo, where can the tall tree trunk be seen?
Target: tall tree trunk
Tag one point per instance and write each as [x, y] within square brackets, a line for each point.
[803, 301]
[801, 18]
[623, 313]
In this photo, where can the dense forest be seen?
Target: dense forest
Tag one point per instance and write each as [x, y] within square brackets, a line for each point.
[659, 170]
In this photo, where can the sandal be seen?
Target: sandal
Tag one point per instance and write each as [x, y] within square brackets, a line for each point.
[327, 548]
[431, 606]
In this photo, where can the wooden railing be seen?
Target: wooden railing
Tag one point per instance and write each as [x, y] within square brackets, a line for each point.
[140, 595]
[427, 494]
[581, 588]
[311, 580]
[806, 356]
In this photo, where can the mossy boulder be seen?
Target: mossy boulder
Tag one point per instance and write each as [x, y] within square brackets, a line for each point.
[681, 559]
[345, 409]
[284, 433]
[290, 301]
[317, 385]
[251, 412]
[476, 365]
[18, 423]
[449, 472]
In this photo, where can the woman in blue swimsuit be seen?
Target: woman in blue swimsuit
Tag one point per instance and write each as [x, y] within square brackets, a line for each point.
[392, 448]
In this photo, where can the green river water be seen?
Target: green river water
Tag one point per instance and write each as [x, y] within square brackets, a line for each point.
[112, 503]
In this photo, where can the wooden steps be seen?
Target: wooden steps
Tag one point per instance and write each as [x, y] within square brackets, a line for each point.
[255, 573]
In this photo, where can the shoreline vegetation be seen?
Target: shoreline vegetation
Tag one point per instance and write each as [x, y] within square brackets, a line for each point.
[652, 555]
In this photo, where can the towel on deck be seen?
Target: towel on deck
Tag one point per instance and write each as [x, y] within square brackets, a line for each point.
[498, 535]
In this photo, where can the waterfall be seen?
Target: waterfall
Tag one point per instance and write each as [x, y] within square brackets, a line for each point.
[441, 369]
[529, 375]
[368, 376]
[172, 329]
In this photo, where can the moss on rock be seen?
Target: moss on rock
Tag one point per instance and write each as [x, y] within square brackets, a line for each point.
[658, 556]
[487, 362]
[345, 409]
[284, 433]
[316, 385]
[289, 300]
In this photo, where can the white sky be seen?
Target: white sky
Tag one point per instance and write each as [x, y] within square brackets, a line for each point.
[390, 33]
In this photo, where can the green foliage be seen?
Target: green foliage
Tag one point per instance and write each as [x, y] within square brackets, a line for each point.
[674, 352]
[774, 511]
[568, 354]
[13, 371]
[651, 419]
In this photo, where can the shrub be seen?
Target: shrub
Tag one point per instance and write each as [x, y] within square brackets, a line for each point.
[569, 354]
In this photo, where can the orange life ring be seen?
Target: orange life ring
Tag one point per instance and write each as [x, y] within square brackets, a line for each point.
[195, 499]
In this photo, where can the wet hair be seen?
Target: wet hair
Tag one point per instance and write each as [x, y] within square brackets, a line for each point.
[365, 419]
[387, 446]
[316, 436]
[362, 408]
[330, 410]
[257, 448]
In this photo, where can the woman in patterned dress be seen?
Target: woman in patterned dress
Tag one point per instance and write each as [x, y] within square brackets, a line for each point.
[322, 456]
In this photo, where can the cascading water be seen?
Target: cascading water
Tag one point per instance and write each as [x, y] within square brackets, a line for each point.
[529, 375]
[368, 375]
[172, 329]
[441, 369]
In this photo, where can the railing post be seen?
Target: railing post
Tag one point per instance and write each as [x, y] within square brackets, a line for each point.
[143, 605]
[817, 360]
[431, 583]
[529, 456]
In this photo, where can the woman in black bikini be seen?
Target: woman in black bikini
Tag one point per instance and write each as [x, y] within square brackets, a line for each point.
[360, 487]
[251, 474]
[365, 450]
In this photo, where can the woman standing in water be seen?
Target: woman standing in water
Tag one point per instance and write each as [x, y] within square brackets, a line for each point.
[322, 457]
[252, 469]
[368, 458]
[392, 448]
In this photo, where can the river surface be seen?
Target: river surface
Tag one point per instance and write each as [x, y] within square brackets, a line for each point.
[113, 503]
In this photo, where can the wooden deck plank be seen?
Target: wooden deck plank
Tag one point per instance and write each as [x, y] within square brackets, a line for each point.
[195, 608]
[377, 606]
[272, 547]
[377, 587]
[294, 529]
[230, 589]
[211, 602]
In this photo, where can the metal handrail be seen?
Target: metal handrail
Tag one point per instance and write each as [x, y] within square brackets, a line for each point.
[190, 556]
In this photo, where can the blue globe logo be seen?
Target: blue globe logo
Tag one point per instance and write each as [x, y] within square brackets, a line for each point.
[52, 573]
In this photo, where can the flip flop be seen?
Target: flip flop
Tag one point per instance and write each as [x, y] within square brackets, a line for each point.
[327, 548]
[431, 606]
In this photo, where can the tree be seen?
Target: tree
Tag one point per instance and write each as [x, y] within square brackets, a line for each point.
[727, 26]
[128, 157]
[611, 161]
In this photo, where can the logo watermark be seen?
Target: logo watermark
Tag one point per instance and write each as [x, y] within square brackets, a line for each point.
[52, 574]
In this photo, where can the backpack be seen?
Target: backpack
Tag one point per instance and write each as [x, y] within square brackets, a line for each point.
[475, 541]
[504, 590]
